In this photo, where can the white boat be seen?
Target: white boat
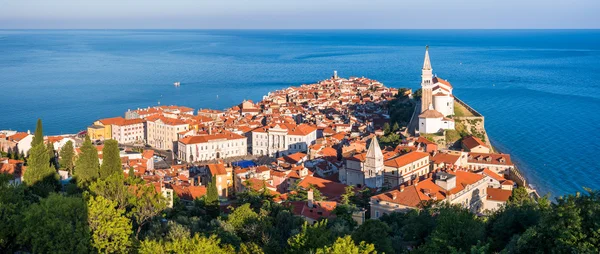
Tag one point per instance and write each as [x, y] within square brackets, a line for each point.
[177, 83]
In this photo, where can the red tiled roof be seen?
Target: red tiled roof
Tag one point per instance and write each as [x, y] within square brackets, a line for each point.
[405, 159]
[498, 194]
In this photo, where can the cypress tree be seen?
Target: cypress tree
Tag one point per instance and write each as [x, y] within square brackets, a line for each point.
[38, 137]
[51, 154]
[212, 199]
[38, 167]
[87, 165]
[111, 161]
[66, 157]
[39, 174]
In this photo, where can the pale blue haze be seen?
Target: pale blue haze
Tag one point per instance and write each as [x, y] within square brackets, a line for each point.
[298, 14]
[538, 89]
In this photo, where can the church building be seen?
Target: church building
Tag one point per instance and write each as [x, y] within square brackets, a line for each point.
[366, 169]
[437, 102]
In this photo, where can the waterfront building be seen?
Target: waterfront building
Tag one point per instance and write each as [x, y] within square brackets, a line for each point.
[211, 146]
[163, 132]
[437, 101]
[128, 131]
[474, 144]
[498, 163]
[102, 129]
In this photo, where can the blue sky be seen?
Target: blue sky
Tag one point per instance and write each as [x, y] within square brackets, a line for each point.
[298, 14]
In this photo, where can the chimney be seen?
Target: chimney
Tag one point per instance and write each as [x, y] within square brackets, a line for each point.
[393, 196]
[401, 188]
[28, 132]
[310, 197]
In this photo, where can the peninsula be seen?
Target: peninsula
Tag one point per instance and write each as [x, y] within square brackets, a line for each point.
[336, 133]
[375, 162]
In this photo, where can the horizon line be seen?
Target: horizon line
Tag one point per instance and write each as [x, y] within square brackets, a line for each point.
[1, 28]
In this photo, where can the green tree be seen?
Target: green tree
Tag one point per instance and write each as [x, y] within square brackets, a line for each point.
[347, 246]
[194, 245]
[113, 188]
[146, 203]
[39, 175]
[310, 238]
[375, 232]
[520, 196]
[456, 229]
[386, 128]
[87, 165]
[211, 200]
[67, 157]
[250, 248]
[572, 226]
[241, 216]
[395, 127]
[110, 229]
[111, 161]
[13, 203]
[57, 224]
[38, 137]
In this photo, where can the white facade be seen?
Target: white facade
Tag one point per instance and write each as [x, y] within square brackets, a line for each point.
[373, 170]
[130, 132]
[163, 132]
[434, 125]
[437, 101]
[280, 139]
[209, 147]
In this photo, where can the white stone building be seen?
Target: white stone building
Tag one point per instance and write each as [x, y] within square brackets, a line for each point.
[163, 132]
[209, 147]
[128, 131]
[282, 139]
[437, 101]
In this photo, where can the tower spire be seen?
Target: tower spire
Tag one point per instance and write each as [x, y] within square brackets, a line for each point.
[427, 63]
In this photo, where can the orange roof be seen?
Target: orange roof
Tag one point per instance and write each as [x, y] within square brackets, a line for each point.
[498, 194]
[189, 192]
[329, 189]
[471, 142]
[217, 169]
[446, 158]
[113, 120]
[18, 136]
[405, 159]
[293, 158]
[492, 157]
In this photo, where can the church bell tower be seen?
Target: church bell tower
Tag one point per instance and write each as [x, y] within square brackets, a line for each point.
[426, 82]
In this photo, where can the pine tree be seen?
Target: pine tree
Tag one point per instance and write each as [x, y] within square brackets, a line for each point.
[38, 137]
[212, 199]
[87, 165]
[111, 161]
[66, 157]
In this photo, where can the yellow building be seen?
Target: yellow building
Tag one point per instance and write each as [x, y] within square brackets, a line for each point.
[102, 129]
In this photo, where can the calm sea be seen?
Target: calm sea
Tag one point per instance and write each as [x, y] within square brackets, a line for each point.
[538, 89]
